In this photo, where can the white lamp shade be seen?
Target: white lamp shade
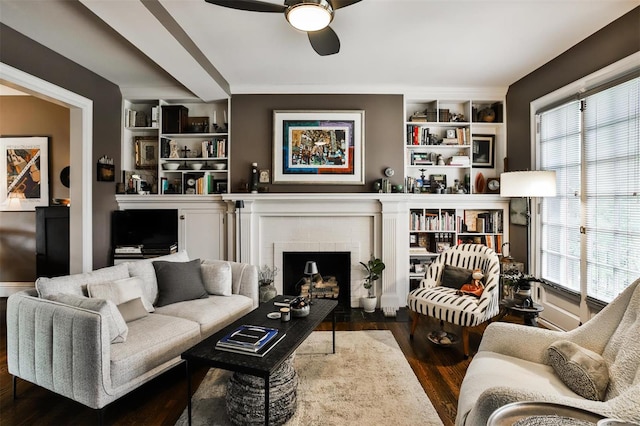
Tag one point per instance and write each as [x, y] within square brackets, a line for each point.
[534, 183]
[310, 268]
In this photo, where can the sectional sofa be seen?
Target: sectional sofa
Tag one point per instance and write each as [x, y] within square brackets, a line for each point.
[140, 317]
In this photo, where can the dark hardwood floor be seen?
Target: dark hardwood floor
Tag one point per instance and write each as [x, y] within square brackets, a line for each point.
[440, 370]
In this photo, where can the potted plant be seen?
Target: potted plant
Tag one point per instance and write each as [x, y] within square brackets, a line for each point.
[374, 268]
[267, 290]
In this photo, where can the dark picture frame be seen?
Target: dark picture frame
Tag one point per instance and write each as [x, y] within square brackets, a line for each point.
[146, 152]
[318, 147]
[483, 151]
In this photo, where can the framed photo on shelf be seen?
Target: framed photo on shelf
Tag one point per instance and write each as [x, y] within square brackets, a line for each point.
[442, 246]
[318, 147]
[483, 151]
[24, 173]
[146, 152]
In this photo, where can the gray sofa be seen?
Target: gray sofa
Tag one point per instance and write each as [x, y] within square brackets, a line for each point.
[514, 364]
[71, 351]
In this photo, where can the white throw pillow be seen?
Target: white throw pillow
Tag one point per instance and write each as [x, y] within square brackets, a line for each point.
[118, 329]
[120, 291]
[216, 276]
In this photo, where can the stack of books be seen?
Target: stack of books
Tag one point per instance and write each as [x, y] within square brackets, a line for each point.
[133, 251]
[251, 340]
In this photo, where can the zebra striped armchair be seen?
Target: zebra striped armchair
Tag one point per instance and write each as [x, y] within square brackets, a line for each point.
[434, 300]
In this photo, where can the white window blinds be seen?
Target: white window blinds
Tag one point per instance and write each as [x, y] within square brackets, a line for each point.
[594, 147]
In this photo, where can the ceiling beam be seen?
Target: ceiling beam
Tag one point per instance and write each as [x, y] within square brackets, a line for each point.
[164, 42]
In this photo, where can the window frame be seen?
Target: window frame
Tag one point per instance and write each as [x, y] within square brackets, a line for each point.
[610, 76]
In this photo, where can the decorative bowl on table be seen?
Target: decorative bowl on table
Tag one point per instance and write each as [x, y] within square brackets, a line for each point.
[195, 166]
[170, 166]
[300, 312]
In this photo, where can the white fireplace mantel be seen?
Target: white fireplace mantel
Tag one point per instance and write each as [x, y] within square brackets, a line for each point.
[363, 224]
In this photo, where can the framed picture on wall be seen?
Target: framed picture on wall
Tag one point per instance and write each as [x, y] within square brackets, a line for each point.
[483, 151]
[24, 173]
[318, 147]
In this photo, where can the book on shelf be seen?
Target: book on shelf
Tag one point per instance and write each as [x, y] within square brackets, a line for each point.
[128, 249]
[251, 340]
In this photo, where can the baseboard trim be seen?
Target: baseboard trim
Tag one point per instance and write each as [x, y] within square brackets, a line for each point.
[7, 288]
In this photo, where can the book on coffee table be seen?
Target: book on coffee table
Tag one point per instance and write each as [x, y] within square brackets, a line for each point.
[250, 340]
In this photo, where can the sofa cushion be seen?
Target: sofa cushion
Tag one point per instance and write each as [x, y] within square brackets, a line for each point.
[216, 276]
[584, 371]
[77, 283]
[179, 281]
[153, 341]
[455, 277]
[212, 313]
[117, 326]
[120, 291]
[144, 270]
[132, 310]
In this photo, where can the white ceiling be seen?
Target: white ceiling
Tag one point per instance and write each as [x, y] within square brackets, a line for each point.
[180, 48]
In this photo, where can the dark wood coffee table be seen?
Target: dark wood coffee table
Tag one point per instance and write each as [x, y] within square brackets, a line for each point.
[297, 330]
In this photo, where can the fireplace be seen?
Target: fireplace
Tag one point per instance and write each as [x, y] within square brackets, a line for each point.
[334, 267]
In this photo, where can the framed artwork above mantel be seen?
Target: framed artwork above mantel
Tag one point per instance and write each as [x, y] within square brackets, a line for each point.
[318, 147]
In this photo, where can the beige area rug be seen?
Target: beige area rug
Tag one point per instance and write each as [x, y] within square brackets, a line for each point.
[368, 381]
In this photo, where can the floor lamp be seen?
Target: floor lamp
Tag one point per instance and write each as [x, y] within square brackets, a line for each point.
[527, 185]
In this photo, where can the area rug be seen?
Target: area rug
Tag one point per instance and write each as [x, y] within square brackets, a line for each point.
[368, 381]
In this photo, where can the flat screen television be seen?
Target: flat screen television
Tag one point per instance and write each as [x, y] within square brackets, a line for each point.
[154, 229]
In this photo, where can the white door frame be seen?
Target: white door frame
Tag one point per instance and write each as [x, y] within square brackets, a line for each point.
[81, 146]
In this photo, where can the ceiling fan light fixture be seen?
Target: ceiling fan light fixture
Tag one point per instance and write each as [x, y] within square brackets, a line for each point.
[310, 15]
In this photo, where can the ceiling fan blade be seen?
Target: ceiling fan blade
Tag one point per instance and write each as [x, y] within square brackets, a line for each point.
[325, 42]
[337, 4]
[250, 5]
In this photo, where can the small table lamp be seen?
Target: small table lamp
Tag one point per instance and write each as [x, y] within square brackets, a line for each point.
[311, 269]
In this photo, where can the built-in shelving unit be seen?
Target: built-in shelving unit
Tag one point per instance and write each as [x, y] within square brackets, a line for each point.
[453, 146]
[179, 148]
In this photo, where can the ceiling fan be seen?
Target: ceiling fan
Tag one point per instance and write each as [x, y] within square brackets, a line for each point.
[312, 16]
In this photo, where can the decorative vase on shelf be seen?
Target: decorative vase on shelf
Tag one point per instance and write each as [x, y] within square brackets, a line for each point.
[267, 291]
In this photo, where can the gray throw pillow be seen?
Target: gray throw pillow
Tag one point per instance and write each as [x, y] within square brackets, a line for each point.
[132, 310]
[179, 281]
[455, 277]
[118, 329]
[583, 371]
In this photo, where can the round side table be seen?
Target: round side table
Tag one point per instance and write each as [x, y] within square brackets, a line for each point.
[530, 314]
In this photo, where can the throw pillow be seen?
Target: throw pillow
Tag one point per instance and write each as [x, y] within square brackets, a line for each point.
[179, 281]
[144, 270]
[455, 277]
[216, 276]
[120, 291]
[118, 329]
[132, 310]
[582, 370]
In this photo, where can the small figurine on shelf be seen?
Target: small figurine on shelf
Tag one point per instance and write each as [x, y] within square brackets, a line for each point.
[173, 149]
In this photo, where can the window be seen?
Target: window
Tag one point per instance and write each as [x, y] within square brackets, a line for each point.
[590, 232]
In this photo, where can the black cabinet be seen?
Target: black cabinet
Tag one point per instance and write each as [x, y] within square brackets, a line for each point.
[52, 241]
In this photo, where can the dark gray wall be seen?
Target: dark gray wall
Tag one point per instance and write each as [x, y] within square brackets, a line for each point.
[617, 40]
[252, 134]
[25, 54]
